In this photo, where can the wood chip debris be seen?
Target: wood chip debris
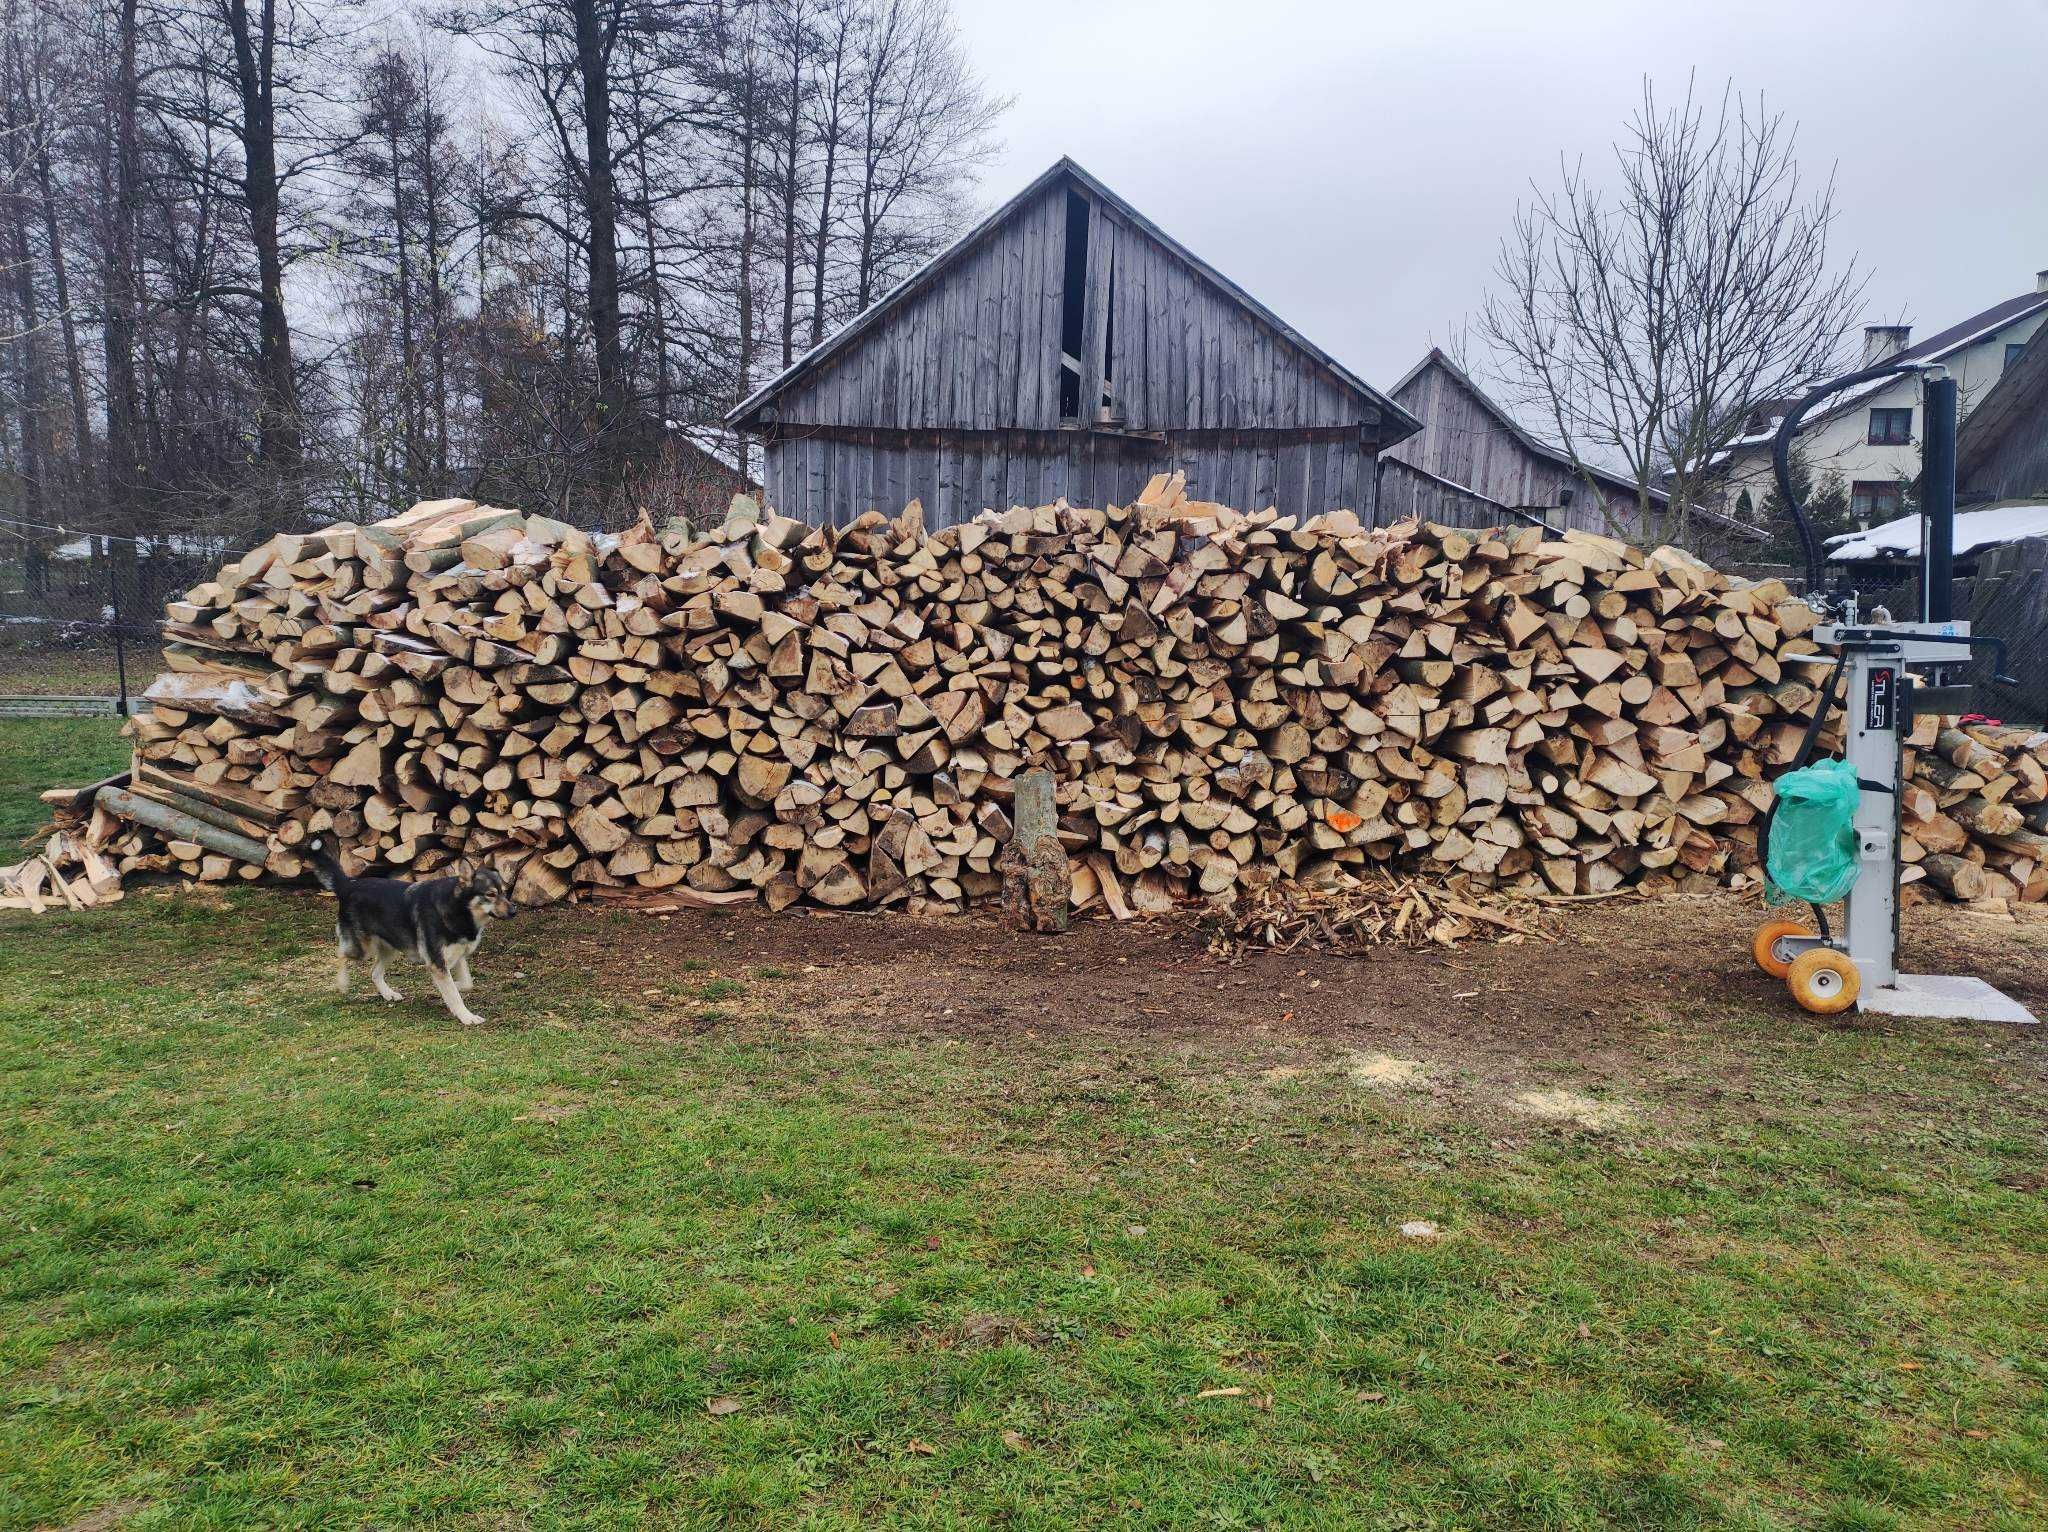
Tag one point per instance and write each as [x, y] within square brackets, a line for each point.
[1355, 914]
[68, 873]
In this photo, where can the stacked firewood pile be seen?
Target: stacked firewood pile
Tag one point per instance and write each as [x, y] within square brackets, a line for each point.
[778, 711]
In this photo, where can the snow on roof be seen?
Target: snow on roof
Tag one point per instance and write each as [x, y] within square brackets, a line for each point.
[1900, 539]
[714, 444]
[1827, 410]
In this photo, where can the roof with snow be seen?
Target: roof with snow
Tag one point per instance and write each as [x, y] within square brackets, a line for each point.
[1942, 344]
[1899, 540]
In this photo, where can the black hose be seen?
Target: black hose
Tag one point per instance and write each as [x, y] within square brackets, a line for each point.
[1781, 458]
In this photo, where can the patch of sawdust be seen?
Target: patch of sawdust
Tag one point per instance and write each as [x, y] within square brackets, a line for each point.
[1280, 1072]
[1384, 1071]
[320, 964]
[1570, 1106]
[551, 1112]
[205, 896]
[107, 1517]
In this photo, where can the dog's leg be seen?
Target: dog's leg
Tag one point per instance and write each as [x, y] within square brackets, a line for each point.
[377, 959]
[341, 976]
[459, 971]
[444, 986]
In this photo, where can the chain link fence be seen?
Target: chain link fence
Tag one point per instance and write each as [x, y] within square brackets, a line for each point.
[80, 612]
[2005, 596]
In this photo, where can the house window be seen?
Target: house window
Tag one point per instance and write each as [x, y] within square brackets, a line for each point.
[2013, 348]
[1891, 428]
[1875, 499]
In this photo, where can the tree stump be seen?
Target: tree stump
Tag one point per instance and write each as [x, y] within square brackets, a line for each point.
[1038, 881]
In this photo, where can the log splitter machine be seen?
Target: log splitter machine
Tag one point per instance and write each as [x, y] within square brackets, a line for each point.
[1871, 661]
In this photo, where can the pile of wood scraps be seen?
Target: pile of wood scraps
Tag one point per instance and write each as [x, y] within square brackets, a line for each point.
[69, 871]
[1973, 815]
[1354, 914]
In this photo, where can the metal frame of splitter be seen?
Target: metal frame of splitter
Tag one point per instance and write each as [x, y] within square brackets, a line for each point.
[1879, 702]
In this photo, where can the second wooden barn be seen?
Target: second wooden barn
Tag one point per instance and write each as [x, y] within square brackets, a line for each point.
[1066, 346]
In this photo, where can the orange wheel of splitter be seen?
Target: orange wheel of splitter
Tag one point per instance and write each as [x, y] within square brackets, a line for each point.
[1824, 981]
[1764, 946]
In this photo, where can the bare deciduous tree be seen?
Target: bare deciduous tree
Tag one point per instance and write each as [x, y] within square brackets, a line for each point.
[1641, 321]
[268, 262]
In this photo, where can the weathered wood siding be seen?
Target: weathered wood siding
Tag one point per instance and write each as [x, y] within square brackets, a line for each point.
[2002, 453]
[979, 347]
[1184, 356]
[952, 395]
[976, 349]
[957, 476]
[2017, 467]
[1405, 490]
[1463, 440]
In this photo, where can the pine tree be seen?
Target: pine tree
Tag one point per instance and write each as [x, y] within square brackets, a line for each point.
[1825, 502]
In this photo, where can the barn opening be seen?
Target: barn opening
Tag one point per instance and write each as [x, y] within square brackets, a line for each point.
[1073, 305]
[1109, 344]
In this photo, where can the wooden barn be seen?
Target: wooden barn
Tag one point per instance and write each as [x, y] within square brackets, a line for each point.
[2002, 447]
[1473, 464]
[1066, 346]
[1470, 442]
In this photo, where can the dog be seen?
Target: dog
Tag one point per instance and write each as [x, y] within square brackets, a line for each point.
[441, 923]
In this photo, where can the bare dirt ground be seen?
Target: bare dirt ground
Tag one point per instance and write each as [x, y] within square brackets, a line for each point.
[1630, 996]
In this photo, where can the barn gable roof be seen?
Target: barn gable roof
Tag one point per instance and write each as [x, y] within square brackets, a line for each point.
[1396, 422]
[1529, 443]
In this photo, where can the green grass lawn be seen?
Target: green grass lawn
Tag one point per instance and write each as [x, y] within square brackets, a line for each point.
[654, 1247]
[37, 753]
[30, 671]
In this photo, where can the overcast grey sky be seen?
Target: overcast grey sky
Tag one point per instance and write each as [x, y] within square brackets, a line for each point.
[1354, 165]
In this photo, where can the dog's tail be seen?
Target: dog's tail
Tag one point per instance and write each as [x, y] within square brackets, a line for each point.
[326, 865]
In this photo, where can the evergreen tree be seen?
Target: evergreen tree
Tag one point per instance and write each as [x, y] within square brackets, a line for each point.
[1825, 501]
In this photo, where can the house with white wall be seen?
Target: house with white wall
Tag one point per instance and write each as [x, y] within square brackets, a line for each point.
[1870, 436]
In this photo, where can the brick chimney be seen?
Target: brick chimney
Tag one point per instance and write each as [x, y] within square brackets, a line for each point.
[2041, 281]
[1882, 342]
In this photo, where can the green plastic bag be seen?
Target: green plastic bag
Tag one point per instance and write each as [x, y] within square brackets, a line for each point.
[1813, 834]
